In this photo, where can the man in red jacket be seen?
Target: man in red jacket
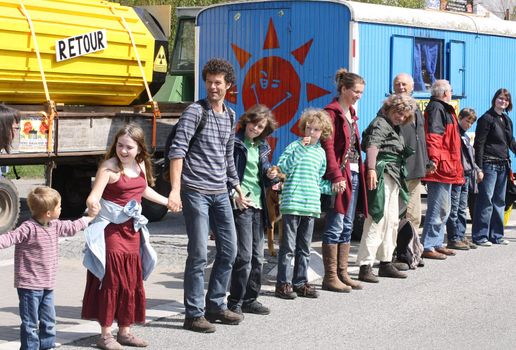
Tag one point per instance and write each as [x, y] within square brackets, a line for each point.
[444, 151]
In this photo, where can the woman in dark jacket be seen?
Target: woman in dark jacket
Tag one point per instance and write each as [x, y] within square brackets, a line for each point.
[254, 172]
[345, 170]
[493, 139]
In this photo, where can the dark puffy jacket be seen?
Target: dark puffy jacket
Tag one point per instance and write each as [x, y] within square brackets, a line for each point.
[443, 143]
[240, 156]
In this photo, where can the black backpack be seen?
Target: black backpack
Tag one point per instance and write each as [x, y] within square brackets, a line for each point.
[409, 248]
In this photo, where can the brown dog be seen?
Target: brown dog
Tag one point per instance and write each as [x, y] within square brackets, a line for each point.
[272, 199]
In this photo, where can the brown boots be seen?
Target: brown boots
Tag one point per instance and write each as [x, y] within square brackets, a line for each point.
[343, 256]
[330, 281]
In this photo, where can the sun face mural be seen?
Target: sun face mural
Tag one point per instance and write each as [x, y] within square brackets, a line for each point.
[273, 81]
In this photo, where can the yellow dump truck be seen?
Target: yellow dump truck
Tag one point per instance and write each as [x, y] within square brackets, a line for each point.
[78, 70]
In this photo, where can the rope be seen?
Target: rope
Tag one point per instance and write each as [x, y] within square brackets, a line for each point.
[155, 108]
[51, 105]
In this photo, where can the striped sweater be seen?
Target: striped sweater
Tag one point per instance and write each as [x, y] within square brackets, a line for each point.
[208, 165]
[37, 251]
[304, 167]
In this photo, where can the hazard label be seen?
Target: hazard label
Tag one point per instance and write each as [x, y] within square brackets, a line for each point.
[160, 63]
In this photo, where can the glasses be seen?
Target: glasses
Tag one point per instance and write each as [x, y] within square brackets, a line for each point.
[501, 99]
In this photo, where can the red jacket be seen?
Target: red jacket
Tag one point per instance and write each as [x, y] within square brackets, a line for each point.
[336, 148]
[443, 143]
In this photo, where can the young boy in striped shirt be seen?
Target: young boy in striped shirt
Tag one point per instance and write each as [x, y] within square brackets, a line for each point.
[304, 163]
[35, 264]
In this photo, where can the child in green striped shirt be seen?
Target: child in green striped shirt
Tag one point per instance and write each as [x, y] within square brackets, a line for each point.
[304, 163]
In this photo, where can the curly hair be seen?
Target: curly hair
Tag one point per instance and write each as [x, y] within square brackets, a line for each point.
[256, 114]
[8, 116]
[136, 133]
[400, 103]
[345, 79]
[319, 116]
[219, 66]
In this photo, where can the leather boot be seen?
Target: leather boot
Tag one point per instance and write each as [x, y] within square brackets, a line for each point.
[342, 271]
[387, 269]
[366, 274]
[330, 281]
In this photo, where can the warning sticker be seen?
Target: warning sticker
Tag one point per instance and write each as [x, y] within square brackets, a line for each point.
[160, 63]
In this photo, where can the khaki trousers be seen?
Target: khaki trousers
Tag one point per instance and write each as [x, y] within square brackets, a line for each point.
[379, 239]
[414, 204]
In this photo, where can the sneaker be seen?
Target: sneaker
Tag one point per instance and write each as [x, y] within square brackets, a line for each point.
[400, 265]
[224, 316]
[256, 307]
[484, 243]
[502, 242]
[131, 340]
[458, 245]
[108, 343]
[306, 290]
[470, 244]
[236, 309]
[284, 291]
[198, 324]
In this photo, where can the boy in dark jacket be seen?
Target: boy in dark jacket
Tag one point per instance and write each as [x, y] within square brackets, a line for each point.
[456, 224]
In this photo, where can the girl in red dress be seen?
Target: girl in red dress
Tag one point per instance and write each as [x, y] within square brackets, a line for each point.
[115, 290]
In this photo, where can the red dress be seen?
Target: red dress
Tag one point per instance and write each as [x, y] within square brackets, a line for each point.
[120, 295]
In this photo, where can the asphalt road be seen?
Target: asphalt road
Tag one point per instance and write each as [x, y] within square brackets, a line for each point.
[465, 302]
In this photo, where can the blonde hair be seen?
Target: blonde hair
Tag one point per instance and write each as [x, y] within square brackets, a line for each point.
[256, 114]
[400, 103]
[136, 133]
[346, 79]
[321, 117]
[42, 199]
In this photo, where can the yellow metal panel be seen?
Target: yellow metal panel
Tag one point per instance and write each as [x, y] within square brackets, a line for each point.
[108, 77]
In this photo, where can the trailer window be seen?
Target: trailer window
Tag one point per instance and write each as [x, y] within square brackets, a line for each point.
[183, 59]
[428, 63]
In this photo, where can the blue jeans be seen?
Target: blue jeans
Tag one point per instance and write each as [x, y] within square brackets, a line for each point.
[338, 226]
[490, 204]
[246, 277]
[37, 306]
[437, 212]
[294, 253]
[197, 210]
[456, 224]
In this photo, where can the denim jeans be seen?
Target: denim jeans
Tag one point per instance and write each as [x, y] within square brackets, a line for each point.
[197, 210]
[246, 277]
[294, 253]
[490, 204]
[456, 224]
[339, 226]
[37, 306]
[437, 212]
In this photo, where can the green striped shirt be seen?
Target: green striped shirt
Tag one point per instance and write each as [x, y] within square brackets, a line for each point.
[304, 167]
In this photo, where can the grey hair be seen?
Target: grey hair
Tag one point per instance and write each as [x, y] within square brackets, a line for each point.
[439, 88]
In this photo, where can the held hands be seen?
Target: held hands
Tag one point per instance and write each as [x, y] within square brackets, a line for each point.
[272, 173]
[371, 179]
[174, 202]
[339, 187]
[431, 167]
[242, 202]
[93, 208]
[480, 176]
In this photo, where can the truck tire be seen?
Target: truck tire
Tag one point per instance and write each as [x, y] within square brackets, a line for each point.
[9, 205]
[74, 190]
[153, 211]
